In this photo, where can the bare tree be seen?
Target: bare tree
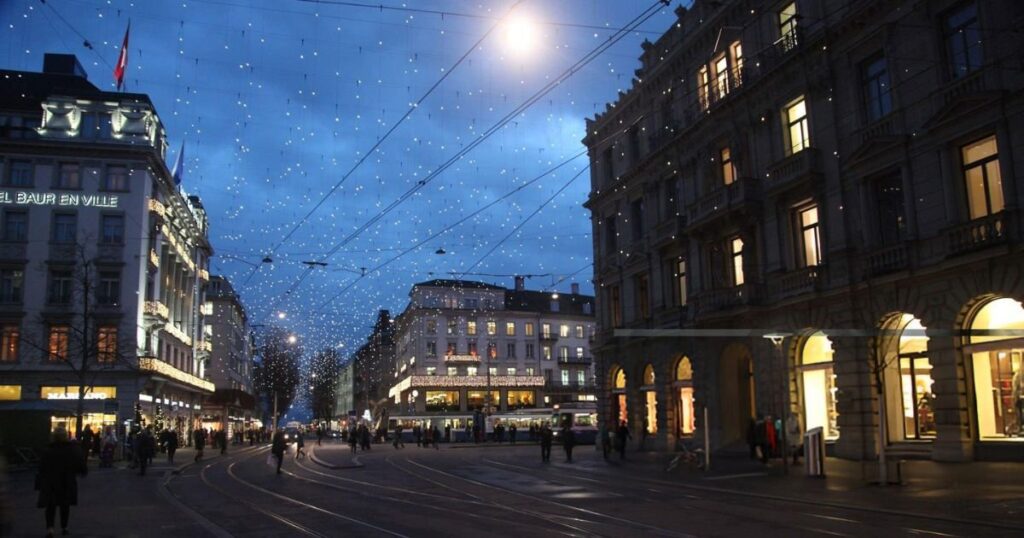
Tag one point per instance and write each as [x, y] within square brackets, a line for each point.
[276, 373]
[72, 333]
[324, 370]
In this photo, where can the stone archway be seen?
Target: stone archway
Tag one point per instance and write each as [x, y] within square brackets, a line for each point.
[736, 393]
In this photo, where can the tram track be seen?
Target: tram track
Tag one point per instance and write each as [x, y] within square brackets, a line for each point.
[596, 516]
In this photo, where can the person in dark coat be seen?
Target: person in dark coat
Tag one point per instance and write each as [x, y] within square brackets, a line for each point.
[222, 438]
[85, 441]
[300, 444]
[172, 445]
[57, 480]
[147, 448]
[277, 448]
[622, 435]
[546, 438]
[568, 442]
[199, 441]
[512, 433]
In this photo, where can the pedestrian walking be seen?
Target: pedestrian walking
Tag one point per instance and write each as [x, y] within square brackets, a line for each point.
[199, 442]
[568, 442]
[319, 436]
[85, 440]
[546, 438]
[146, 448]
[417, 433]
[512, 433]
[398, 436]
[109, 446]
[447, 433]
[436, 434]
[794, 436]
[364, 436]
[172, 445]
[299, 446]
[606, 441]
[622, 435]
[428, 436]
[277, 448]
[57, 479]
[222, 438]
[352, 439]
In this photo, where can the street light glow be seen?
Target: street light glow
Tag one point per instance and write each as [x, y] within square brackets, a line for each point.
[280, 315]
[520, 34]
[292, 339]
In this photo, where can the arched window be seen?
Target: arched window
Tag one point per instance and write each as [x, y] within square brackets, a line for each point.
[995, 351]
[908, 382]
[816, 378]
[649, 375]
[685, 416]
[619, 378]
[621, 410]
[650, 400]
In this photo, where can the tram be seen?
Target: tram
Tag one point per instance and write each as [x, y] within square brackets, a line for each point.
[580, 416]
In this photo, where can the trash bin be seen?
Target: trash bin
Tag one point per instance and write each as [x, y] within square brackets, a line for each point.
[814, 452]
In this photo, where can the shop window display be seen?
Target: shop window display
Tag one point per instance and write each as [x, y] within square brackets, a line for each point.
[619, 396]
[998, 370]
[817, 380]
[442, 400]
[685, 416]
[909, 383]
[650, 401]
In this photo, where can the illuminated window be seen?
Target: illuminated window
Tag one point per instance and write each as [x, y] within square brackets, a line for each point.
[736, 249]
[529, 370]
[471, 328]
[685, 416]
[58, 343]
[998, 370]
[528, 328]
[511, 370]
[452, 327]
[471, 348]
[493, 370]
[10, 337]
[565, 377]
[728, 168]
[492, 328]
[453, 370]
[563, 331]
[737, 63]
[818, 385]
[471, 370]
[579, 352]
[450, 350]
[563, 353]
[492, 350]
[721, 66]
[963, 40]
[704, 87]
[431, 370]
[545, 330]
[477, 399]
[788, 27]
[579, 331]
[106, 345]
[510, 328]
[10, 392]
[442, 400]
[810, 241]
[546, 352]
[981, 173]
[520, 399]
[799, 137]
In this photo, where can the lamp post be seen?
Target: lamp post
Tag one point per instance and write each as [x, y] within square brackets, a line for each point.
[776, 340]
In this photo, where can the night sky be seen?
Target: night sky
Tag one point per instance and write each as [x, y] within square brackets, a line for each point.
[277, 100]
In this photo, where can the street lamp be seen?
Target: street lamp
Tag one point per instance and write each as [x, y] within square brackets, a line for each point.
[776, 339]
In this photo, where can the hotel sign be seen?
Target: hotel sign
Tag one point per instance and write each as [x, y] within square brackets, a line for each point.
[461, 358]
[59, 199]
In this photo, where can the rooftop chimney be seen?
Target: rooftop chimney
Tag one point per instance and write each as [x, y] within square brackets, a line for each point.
[63, 64]
[520, 283]
[575, 288]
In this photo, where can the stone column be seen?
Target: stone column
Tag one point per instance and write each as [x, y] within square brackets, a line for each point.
[953, 441]
[856, 399]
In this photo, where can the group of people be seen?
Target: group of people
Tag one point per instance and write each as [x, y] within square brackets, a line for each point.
[358, 437]
[765, 438]
[102, 444]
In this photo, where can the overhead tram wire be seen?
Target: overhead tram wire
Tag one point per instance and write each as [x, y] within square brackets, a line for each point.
[508, 118]
[461, 221]
[445, 13]
[643, 17]
[519, 226]
[381, 140]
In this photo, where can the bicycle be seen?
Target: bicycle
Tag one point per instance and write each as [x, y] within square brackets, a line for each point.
[693, 458]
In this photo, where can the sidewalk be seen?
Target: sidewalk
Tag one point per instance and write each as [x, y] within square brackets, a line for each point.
[978, 491]
[113, 501]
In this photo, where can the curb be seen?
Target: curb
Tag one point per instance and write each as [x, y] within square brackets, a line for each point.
[356, 464]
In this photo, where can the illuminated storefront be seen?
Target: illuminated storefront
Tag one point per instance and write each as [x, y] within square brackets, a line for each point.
[442, 400]
[619, 396]
[650, 400]
[998, 370]
[477, 399]
[817, 381]
[910, 401]
[520, 399]
[683, 385]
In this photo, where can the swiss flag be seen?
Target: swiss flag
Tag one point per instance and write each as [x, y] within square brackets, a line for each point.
[122, 59]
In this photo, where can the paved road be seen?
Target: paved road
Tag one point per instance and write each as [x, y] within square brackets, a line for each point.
[504, 492]
[501, 491]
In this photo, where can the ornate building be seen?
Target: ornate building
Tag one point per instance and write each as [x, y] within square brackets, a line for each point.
[464, 345]
[230, 367]
[839, 177]
[103, 259]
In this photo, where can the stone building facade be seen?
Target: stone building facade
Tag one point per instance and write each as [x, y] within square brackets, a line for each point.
[813, 208]
[457, 339]
[103, 258]
[230, 369]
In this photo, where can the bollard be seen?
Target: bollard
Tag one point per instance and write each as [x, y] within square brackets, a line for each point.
[814, 452]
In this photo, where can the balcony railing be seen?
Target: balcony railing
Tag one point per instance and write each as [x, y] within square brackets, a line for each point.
[156, 309]
[791, 170]
[712, 205]
[798, 282]
[575, 360]
[887, 259]
[554, 385]
[977, 234]
[719, 299]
